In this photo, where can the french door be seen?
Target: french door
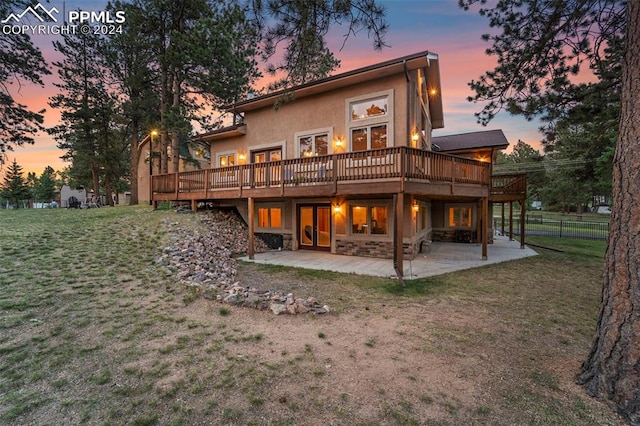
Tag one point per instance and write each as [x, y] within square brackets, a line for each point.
[314, 227]
[264, 175]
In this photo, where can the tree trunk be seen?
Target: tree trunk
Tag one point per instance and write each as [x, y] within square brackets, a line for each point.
[135, 156]
[164, 100]
[96, 180]
[164, 143]
[108, 190]
[612, 369]
[175, 136]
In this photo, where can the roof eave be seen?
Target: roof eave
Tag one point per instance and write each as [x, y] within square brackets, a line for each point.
[223, 133]
[383, 69]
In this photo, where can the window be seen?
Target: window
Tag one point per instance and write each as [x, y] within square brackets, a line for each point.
[378, 137]
[315, 142]
[361, 141]
[269, 217]
[369, 220]
[379, 220]
[226, 159]
[369, 108]
[460, 217]
[264, 156]
[369, 121]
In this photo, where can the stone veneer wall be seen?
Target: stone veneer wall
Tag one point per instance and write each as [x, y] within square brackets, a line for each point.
[380, 249]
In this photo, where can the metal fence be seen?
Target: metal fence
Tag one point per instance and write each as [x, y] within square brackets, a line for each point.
[538, 225]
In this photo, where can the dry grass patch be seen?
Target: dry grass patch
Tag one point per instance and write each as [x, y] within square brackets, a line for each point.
[94, 331]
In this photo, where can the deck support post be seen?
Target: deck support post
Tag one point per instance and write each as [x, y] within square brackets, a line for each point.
[510, 220]
[398, 252]
[177, 184]
[485, 225]
[522, 217]
[251, 248]
[502, 222]
[194, 205]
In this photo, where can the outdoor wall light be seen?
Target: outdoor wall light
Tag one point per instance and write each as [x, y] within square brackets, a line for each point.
[415, 206]
[415, 137]
[339, 143]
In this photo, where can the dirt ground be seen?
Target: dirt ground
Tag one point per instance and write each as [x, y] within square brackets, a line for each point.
[396, 360]
[124, 343]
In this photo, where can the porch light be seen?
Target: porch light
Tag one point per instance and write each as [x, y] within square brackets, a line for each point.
[433, 91]
[336, 209]
[241, 156]
[339, 143]
[415, 206]
[415, 137]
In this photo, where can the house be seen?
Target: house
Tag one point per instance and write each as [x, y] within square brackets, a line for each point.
[70, 197]
[348, 164]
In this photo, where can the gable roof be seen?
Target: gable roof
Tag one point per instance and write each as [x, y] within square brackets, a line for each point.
[424, 59]
[470, 141]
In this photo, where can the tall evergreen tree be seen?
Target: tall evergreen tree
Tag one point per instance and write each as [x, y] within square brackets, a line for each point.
[129, 58]
[20, 61]
[302, 27]
[542, 44]
[204, 58]
[15, 188]
[44, 189]
[89, 113]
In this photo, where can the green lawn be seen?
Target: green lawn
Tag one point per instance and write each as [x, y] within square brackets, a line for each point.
[93, 331]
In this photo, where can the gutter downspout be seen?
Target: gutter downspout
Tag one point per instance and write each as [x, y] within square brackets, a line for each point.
[406, 75]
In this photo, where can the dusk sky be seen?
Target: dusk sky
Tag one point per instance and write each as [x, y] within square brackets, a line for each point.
[439, 26]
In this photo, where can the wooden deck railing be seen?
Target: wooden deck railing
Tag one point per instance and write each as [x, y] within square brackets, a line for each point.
[389, 163]
[509, 184]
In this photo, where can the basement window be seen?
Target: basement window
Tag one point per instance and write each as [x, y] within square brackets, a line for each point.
[269, 217]
[460, 217]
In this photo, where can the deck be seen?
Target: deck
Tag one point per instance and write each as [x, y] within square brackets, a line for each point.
[390, 170]
[508, 187]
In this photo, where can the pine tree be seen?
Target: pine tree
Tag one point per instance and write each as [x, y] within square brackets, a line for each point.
[44, 189]
[129, 58]
[89, 116]
[204, 58]
[302, 26]
[543, 44]
[15, 188]
[20, 61]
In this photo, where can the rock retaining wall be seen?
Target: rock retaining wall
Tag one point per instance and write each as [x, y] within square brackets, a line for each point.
[205, 264]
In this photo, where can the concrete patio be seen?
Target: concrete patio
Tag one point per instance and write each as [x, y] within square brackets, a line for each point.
[444, 258]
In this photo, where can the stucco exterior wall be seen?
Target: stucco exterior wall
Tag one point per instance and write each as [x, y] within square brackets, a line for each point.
[268, 127]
